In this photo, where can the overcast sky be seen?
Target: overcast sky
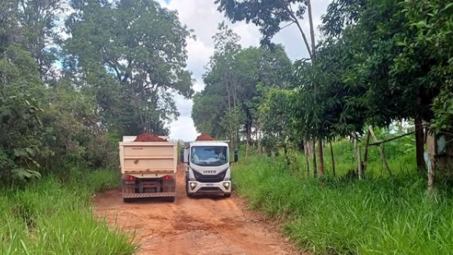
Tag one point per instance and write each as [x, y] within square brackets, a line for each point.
[202, 16]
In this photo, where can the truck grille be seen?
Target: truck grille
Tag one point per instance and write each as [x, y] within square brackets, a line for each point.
[210, 178]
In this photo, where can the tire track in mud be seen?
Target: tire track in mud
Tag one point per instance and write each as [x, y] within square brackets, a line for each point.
[192, 226]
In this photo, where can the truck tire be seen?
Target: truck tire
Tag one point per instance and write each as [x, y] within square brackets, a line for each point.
[227, 195]
[171, 199]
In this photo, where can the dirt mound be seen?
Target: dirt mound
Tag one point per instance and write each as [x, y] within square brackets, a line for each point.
[204, 137]
[149, 138]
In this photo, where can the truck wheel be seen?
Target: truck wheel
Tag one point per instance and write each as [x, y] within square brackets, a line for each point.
[227, 195]
[171, 199]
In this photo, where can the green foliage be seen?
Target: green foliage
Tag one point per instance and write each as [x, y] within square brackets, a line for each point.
[52, 216]
[377, 215]
[120, 66]
[278, 124]
[430, 53]
[367, 70]
[267, 14]
[20, 112]
[137, 44]
[235, 85]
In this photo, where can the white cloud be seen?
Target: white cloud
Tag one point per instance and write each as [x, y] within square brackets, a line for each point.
[202, 16]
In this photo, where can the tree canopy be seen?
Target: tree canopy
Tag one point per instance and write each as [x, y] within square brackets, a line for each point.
[71, 87]
[235, 82]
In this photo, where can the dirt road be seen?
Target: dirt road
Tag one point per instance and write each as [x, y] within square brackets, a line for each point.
[193, 226]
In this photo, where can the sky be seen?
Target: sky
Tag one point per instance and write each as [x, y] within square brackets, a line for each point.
[202, 16]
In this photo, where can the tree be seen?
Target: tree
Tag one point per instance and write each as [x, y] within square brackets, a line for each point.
[139, 43]
[232, 84]
[21, 101]
[38, 19]
[121, 64]
[373, 30]
[427, 55]
[269, 16]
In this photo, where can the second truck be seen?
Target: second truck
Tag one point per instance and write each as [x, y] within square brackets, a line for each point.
[208, 167]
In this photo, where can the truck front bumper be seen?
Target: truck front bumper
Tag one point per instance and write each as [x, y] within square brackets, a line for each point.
[195, 187]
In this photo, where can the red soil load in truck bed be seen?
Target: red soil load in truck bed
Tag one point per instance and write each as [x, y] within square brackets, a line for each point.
[149, 138]
[204, 137]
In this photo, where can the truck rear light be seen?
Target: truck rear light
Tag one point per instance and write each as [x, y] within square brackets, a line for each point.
[168, 177]
[129, 178]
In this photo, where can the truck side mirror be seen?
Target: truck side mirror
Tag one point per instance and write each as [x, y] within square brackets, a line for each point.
[236, 156]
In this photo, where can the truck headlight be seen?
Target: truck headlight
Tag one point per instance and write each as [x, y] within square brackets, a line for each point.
[226, 185]
[193, 185]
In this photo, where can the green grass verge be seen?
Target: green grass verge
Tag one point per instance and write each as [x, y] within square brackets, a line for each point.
[378, 215]
[53, 216]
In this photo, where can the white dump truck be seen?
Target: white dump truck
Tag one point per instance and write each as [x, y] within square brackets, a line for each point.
[148, 169]
[208, 167]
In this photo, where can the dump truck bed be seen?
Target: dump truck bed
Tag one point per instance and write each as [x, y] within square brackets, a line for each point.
[148, 157]
[148, 170]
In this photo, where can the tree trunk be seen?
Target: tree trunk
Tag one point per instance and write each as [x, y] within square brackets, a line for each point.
[308, 147]
[258, 136]
[419, 143]
[321, 159]
[365, 157]
[312, 30]
[248, 125]
[431, 178]
[308, 165]
[315, 168]
[247, 149]
[432, 151]
[285, 150]
[333, 160]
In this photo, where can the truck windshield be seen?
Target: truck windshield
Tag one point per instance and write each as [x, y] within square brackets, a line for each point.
[209, 155]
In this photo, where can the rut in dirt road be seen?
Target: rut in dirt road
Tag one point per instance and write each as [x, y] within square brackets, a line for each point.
[192, 226]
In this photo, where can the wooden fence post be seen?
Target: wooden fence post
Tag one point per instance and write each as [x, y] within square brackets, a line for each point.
[333, 159]
[381, 152]
[365, 157]
[359, 161]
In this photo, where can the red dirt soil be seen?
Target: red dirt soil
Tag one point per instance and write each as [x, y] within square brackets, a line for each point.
[149, 138]
[204, 137]
[198, 226]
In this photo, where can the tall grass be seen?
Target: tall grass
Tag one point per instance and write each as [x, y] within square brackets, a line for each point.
[53, 216]
[377, 215]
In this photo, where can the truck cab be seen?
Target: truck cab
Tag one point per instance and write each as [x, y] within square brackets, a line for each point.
[208, 167]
